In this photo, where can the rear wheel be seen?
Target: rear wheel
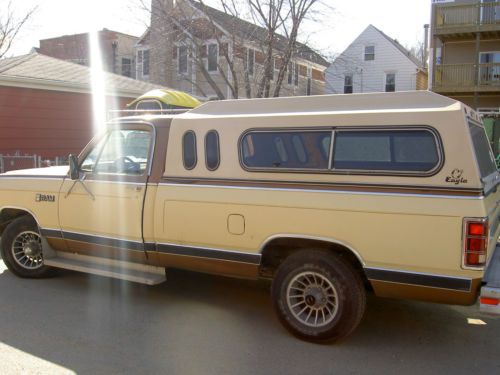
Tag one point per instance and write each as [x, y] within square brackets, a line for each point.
[22, 249]
[318, 296]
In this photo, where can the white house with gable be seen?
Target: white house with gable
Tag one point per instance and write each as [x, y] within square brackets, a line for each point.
[374, 62]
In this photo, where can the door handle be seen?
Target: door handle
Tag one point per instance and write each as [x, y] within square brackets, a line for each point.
[136, 188]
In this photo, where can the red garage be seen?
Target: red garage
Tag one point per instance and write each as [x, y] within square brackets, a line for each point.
[46, 106]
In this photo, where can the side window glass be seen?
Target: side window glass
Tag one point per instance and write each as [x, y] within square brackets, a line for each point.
[398, 151]
[285, 150]
[125, 152]
[299, 149]
[212, 150]
[189, 150]
[89, 163]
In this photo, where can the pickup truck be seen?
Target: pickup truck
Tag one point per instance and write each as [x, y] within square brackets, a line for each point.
[330, 197]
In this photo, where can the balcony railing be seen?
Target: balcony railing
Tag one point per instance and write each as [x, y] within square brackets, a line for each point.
[467, 77]
[467, 15]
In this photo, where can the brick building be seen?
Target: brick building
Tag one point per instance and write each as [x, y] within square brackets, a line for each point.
[118, 50]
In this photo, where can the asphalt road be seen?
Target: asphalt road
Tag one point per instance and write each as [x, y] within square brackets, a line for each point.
[199, 324]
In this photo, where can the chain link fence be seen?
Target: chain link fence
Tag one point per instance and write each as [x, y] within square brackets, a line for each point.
[14, 162]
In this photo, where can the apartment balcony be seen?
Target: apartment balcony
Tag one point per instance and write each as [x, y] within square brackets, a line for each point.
[466, 78]
[458, 21]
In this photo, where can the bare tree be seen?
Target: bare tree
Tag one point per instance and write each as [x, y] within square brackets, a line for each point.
[273, 35]
[10, 25]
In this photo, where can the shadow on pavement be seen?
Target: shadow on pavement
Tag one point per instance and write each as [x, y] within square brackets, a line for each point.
[201, 324]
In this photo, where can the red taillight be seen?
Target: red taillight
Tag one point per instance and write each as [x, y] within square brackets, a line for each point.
[477, 229]
[489, 301]
[475, 242]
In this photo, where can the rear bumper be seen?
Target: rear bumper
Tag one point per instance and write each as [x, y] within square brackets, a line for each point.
[490, 292]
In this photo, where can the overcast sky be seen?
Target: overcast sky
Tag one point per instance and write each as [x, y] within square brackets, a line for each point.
[400, 19]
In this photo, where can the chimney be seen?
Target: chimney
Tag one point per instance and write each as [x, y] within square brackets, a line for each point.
[426, 45]
[161, 42]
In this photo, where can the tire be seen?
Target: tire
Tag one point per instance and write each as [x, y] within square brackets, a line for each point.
[22, 249]
[318, 296]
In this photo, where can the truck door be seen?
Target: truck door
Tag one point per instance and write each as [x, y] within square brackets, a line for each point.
[101, 213]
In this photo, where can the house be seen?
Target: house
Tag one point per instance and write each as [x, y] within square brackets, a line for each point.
[46, 104]
[465, 52]
[117, 49]
[374, 62]
[189, 47]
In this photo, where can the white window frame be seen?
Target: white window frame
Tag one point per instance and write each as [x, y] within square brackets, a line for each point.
[352, 82]
[140, 63]
[386, 74]
[250, 73]
[216, 57]
[309, 82]
[374, 52]
[179, 59]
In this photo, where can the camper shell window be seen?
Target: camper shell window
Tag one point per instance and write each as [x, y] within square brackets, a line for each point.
[189, 157]
[300, 149]
[482, 148]
[415, 151]
[212, 151]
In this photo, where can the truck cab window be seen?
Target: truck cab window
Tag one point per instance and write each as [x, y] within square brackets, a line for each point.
[120, 152]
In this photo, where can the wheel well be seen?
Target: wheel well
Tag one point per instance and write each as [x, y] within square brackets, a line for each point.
[9, 214]
[279, 249]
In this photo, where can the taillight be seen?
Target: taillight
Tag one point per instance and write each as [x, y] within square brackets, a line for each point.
[475, 242]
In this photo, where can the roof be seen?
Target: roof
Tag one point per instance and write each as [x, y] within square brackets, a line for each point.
[394, 101]
[402, 49]
[103, 31]
[44, 72]
[249, 31]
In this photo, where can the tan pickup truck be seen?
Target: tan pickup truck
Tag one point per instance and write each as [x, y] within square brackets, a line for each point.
[328, 196]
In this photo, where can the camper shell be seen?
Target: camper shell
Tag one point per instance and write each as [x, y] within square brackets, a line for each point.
[328, 196]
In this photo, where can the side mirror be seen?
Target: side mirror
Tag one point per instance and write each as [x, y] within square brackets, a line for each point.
[74, 172]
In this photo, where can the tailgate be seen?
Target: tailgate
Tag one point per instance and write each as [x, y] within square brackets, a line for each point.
[490, 292]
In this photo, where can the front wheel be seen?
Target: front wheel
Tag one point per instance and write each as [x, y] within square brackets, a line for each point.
[22, 249]
[318, 296]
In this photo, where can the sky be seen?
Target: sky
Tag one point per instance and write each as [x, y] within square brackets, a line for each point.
[330, 34]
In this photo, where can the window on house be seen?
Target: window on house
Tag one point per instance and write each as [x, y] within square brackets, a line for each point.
[126, 67]
[293, 74]
[395, 150]
[212, 150]
[390, 82]
[213, 54]
[250, 61]
[348, 88]
[369, 53]
[189, 157]
[489, 69]
[309, 81]
[182, 56]
[271, 71]
[145, 62]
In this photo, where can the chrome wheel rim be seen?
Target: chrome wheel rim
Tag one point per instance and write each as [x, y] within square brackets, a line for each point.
[312, 299]
[27, 250]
